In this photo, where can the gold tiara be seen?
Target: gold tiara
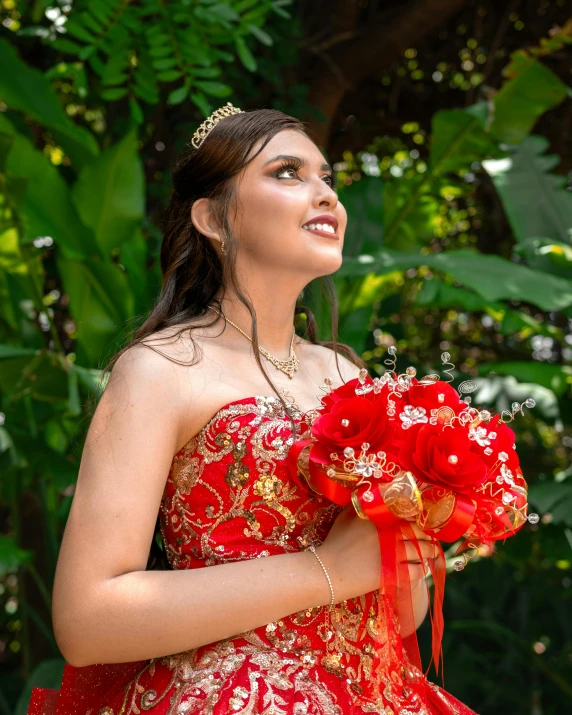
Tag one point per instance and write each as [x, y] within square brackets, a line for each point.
[201, 133]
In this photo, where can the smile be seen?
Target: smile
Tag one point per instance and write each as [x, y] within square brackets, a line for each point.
[322, 229]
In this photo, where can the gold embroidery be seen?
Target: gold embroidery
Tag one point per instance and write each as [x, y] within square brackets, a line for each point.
[284, 666]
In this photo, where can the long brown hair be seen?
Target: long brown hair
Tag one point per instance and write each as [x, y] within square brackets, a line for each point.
[194, 276]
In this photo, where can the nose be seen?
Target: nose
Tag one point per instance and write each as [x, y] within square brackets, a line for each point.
[325, 195]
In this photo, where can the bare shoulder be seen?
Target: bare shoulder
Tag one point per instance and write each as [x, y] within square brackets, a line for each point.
[156, 369]
[325, 358]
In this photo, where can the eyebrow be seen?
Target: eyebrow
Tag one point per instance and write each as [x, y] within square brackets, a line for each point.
[325, 166]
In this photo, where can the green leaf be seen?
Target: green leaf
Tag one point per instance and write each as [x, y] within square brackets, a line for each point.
[113, 94]
[100, 300]
[436, 293]
[260, 34]
[492, 277]
[27, 90]
[165, 64]
[45, 205]
[363, 202]
[245, 55]
[217, 89]
[458, 140]
[76, 29]
[202, 103]
[557, 378]
[531, 90]
[110, 193]
[10, 351]
[554, 498]
[535, 201]
[207, 72]
[178, 95]
[11, 556]
[169, 76]
[64, 45]
[136, 111]
[546, 254]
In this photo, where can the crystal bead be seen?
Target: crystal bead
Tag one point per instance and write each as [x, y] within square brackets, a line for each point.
[345, 422]
[363, 373]
[459, 565]
[488, 451]
[441, 398]
[533, 518]
[348, 452]
[492, 435]
[445, 357]
[411, 371]
[507, 498]
[530, 402]
[392, 350]
[365, 446]
[503, 456]
[331, 472]
[499, 510]
[452, 459]
[367, 496]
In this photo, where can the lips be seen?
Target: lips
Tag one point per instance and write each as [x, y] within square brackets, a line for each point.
[324, 218]
[320, 232]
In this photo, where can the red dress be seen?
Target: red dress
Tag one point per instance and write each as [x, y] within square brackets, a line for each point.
[228, 497]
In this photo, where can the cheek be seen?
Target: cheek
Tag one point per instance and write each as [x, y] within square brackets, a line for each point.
[270, 210]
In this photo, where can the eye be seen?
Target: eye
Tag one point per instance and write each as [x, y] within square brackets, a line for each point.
[288, 166]
[295, 167]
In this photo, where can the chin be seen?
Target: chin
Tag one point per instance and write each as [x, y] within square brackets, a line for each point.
[325, 265]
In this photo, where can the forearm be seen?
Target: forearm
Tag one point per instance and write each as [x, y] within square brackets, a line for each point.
[149, 614]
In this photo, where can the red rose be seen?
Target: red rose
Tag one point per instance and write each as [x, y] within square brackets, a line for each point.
[432, 396]
[503, 442]
[367, 421]
[344, 391]
[443, 456]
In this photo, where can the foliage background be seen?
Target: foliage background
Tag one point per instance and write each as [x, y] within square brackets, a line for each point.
[449, 124]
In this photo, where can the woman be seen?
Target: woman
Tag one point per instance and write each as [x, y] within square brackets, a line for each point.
[218, 378]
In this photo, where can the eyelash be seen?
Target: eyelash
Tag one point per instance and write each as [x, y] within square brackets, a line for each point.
[295, 166]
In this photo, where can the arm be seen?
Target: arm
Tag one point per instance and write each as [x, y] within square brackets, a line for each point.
[106, 607]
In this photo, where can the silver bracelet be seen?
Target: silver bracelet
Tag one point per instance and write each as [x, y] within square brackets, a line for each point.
[313, 550]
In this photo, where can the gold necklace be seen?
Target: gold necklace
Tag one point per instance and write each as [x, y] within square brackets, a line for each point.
[288, 366]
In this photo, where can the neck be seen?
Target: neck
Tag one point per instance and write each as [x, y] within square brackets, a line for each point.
[274, 319]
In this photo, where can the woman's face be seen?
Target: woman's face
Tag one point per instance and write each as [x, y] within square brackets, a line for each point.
[275, 201]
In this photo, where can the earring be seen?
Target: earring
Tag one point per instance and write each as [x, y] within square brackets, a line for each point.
[222, 248]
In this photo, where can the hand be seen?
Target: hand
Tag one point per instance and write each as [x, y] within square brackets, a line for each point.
[351, 554]
[429, 550]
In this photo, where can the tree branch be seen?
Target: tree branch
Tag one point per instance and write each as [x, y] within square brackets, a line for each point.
[376, 45]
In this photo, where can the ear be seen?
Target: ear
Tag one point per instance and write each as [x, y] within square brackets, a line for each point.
[203, 220]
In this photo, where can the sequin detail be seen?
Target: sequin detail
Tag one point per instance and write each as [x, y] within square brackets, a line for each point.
[229, 497]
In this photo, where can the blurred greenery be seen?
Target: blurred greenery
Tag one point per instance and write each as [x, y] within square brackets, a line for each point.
[459, 238]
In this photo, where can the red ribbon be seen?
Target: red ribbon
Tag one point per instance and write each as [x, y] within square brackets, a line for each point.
[397, 633]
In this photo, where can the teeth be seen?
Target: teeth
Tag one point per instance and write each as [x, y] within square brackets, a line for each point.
[320, 226]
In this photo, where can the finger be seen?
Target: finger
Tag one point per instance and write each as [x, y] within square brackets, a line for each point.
[427, 550]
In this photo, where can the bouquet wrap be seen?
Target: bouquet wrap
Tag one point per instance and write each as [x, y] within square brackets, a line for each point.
[402, 451]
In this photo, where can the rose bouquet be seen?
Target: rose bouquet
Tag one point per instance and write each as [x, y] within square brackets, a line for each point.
[404, 450]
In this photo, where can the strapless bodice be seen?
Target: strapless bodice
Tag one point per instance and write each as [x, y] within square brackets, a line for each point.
[229, 496]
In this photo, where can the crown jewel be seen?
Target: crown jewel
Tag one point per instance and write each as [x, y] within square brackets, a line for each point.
[201, 133]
